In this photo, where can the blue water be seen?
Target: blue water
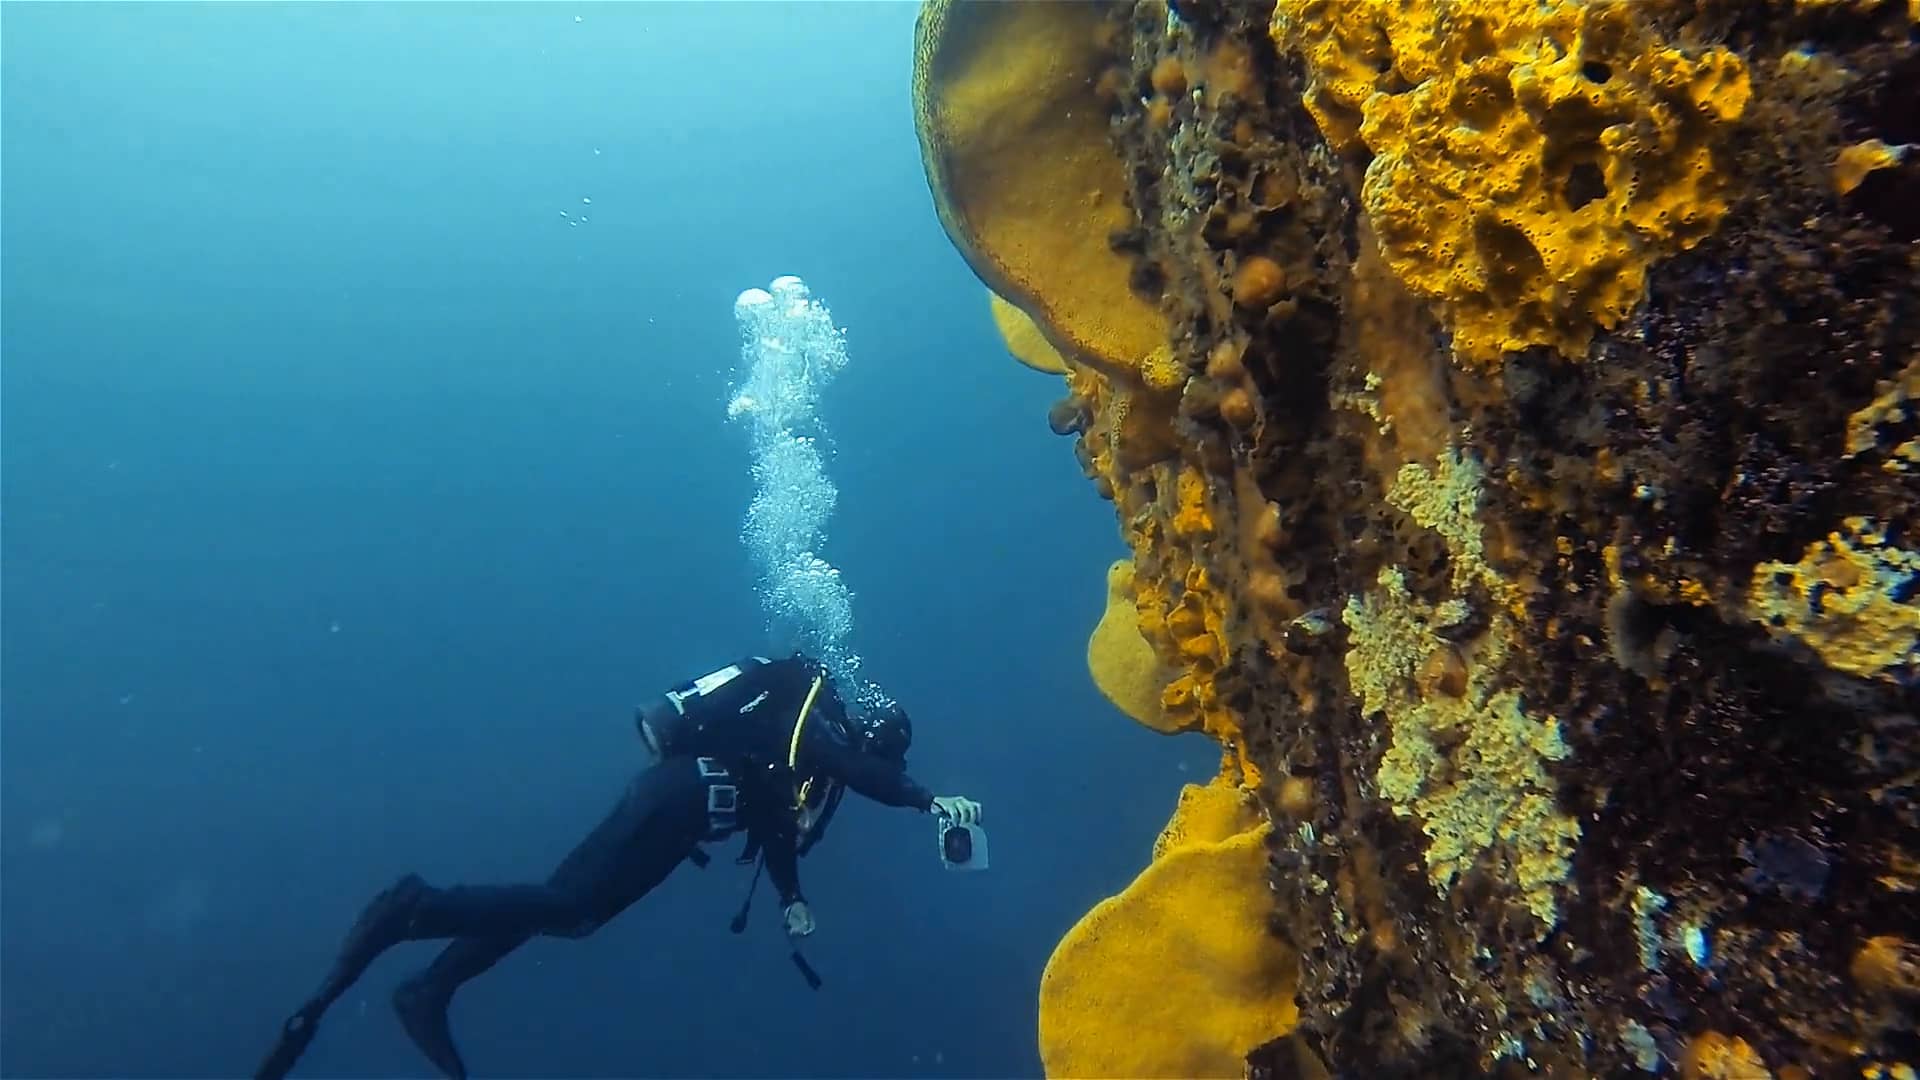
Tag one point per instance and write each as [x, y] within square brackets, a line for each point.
[353, 494]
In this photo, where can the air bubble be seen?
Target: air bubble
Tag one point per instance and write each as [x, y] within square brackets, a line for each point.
[790, 351]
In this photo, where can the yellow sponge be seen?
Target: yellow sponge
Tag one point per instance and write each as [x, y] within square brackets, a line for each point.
[1024, 339]
[1014, 137]
[1531, 158]
[1122, 663]
[1179, 975]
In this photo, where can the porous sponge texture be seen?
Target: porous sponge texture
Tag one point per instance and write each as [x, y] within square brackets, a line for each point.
[1530, 158]
[1853, 597]
[1178, 976]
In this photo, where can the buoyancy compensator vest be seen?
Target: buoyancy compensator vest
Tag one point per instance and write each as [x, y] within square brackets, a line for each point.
[752, 715]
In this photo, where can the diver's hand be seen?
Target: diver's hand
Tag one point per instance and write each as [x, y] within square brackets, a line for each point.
[957, 809]
[799, 920]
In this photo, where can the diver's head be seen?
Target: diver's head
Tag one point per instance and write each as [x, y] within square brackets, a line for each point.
[887, 732]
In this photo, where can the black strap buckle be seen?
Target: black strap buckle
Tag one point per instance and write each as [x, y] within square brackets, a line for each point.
[723, 799]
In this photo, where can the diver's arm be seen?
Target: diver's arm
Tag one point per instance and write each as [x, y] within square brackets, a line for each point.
[783, 868]
[876, 778]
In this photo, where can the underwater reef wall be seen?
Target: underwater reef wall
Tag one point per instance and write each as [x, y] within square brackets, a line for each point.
[1512, 408]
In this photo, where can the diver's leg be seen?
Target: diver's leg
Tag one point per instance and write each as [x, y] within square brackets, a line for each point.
[667, 800]
[656, 824]
[422, 1000]
[411, 909]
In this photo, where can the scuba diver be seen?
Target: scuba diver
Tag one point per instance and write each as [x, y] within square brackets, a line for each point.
[763, 747]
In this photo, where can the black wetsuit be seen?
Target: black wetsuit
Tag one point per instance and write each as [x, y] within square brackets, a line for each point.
[660, 821]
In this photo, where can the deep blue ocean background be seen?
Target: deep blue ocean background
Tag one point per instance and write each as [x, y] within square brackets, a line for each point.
[354, 493]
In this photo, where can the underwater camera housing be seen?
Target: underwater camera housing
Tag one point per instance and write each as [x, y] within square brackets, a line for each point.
[962, 847]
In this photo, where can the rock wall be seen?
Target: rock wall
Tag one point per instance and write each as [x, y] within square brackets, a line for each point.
[1510, 409]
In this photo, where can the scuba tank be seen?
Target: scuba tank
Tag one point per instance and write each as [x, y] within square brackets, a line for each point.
[700, 717]
[742, 713]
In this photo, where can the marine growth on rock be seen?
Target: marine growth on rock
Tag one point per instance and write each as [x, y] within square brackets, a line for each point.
[1512, 410]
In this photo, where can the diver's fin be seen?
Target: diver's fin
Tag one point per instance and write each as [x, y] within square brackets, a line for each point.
[422, 1006]
[380, 926]
[295, 1034]
[806, 970]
